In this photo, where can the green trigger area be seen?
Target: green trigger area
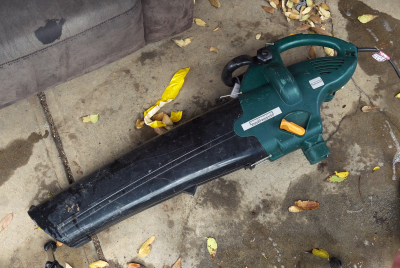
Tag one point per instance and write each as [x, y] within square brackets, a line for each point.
[272, 92]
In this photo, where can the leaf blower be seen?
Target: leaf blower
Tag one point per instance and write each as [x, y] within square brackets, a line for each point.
[277, 112]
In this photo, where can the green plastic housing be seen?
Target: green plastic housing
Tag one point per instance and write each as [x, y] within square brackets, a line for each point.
[273, 92]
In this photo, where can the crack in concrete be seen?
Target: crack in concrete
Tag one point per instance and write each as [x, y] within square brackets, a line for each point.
[361, 91]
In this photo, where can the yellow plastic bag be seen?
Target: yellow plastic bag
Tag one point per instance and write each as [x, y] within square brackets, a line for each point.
[169, 95]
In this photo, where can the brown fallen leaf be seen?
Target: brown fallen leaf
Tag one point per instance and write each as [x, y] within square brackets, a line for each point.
[312, 53]
[139, 123]
[135, 265]
[316, 19]
[268, 9]
[320, 31]
[5, 221]
[367, 109]
[160, 130]
[329, 51]
[178, 263]
[290, 15]
[213, 49]
[59, 244]
[307, 205]
[302, 27]
[215, 3]
[158, 116]
[295, 209]
[166, 120]
[200, 22]
[296, 1]
[183, 42]
[146, 247]
[324, 6]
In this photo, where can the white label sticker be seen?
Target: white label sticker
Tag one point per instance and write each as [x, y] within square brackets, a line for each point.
[380, 56]
[262, 118]
[316, 82]
[235, 90]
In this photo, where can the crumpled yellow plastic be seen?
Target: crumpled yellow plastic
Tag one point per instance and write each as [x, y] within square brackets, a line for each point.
[176, 117]
[169, 95]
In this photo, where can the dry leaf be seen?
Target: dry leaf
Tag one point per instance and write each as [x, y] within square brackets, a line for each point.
[329, 51]
[216, 29]
[166, 120]
[366, 18]
[324, 18]
[324, 12]
[135, 265]
[311, 23]
[295, 209]
[305, 17]
[307, 205]
[5, 221]
[319, 252]
[367, 109]
[160, 130]
[294, 11]
[139, 123]
[146, 247]
[316, 19]
[302, 9]
[90, 119]
[178, 263]
[290, 15]
[213, 49]
[67, 265]
[258, 36]
[158, 116]
[376, 168]
[320, 31]
[312, 53]
[295, 1]
[183, 42]
[98, 264]
[212, 246]
[59, 244]
[306, 10]
[283, 6]
[268, 9]
[324, 6]
[200, 22]
[215, 3]
[272, 4]
[335, 178]
[276, 2]
[309, 3]
[289, 4]
[302, 27]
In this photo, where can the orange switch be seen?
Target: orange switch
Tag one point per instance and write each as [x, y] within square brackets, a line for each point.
[292, 128]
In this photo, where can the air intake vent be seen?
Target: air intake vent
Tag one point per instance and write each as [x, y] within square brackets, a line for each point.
[327, 65]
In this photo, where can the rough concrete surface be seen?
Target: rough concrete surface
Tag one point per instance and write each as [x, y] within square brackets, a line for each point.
[245, 211]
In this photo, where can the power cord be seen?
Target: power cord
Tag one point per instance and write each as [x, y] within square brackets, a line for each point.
[370, 49]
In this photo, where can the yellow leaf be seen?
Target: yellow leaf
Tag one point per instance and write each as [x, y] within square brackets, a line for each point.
[367, 18]
[283, 6]
[200, 22]
[398, 96]
[5, 221]
[272, 4]
[212, 246]
[376, 168]
[320, 253]
[98, 264]
[329, 51]
[176, 117]
[214, 49]
[309, 3]
[289, 4]
[215, 3]
[305, 17]
[306, 10]
[90, 119]
[59, 244]
[295, 209]
[290, 15]
[183, 42]
[324, 12]
[139, 123]
[324, 6]
[216, 29]
[258, 36]
[169, 95]
[342, 175]
[178, 263]
[67, 265]
[146, 247]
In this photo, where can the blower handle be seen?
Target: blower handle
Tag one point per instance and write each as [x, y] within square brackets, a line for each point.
[343, 48]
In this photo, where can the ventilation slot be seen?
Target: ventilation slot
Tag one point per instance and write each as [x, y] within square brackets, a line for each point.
[327, 65]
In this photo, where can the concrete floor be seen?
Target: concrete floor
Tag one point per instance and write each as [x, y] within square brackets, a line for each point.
[245, 211]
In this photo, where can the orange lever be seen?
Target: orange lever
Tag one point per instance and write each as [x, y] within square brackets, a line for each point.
[292, 127]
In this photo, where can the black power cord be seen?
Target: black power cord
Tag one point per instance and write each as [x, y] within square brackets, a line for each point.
[370, 49]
